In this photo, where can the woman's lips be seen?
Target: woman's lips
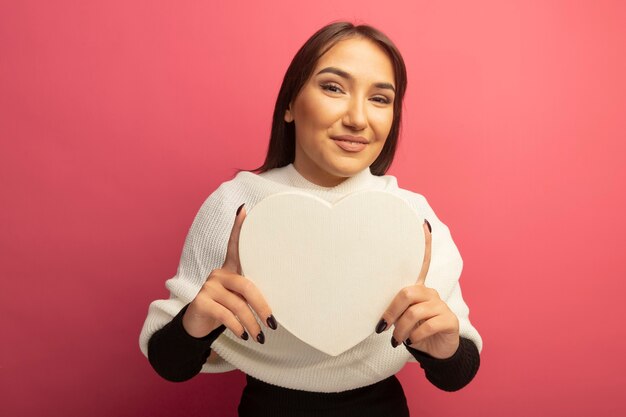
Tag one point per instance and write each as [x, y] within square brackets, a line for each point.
[350, 143]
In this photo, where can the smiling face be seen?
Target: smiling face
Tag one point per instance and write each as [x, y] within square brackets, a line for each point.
[348, 98]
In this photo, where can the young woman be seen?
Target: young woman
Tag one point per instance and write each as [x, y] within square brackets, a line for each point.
[335, 130]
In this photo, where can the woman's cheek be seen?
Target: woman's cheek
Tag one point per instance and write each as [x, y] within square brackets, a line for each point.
[381, 123]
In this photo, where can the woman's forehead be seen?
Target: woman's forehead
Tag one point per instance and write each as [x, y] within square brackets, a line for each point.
[357, 56]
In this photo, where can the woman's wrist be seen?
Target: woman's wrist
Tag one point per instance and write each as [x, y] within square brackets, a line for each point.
[453, 373]
[175, 354]
[197, 325]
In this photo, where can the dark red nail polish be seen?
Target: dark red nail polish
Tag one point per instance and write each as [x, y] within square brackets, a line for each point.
[260, 338]
[381, 326]
[244, 335]
[430, 229]
[239, 209]
[271, 322]
[407, 341]
[394, 342]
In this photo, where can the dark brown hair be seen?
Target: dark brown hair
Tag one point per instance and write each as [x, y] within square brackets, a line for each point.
[282, 146]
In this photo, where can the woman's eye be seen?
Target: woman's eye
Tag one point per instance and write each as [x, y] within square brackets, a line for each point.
[381, 100]
[333, 88]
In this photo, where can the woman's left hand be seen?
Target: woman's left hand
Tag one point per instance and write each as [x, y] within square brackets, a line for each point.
[421, 319]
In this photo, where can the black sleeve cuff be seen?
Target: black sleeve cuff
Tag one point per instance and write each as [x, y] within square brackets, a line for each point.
[453, 373]
[176, 355]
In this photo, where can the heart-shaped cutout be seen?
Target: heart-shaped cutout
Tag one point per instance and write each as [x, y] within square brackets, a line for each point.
[329, 271]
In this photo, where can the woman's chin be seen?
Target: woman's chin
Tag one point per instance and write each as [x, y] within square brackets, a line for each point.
[347, 166]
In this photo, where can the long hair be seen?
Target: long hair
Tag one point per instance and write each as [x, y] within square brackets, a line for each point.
[282, 145]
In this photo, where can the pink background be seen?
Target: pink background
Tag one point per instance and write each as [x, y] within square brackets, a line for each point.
[118, 119]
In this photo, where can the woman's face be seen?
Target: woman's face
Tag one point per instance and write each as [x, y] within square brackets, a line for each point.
[349, 97]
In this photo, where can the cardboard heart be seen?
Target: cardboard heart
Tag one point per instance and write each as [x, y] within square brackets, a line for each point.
[329, 271]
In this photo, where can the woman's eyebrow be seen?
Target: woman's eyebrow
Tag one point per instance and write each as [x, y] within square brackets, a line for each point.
[343, 74]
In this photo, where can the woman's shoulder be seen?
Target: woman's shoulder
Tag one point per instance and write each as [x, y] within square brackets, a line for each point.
[238, 183]
[391, 184]
[244, 187]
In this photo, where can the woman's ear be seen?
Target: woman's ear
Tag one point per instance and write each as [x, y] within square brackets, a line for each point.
[288, 115]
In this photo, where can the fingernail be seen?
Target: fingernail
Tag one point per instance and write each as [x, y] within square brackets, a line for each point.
[260, 337]
[271, 322]
[381, 326]
[244, 335]
[394, 342]
[430, 229]
[239, 209]
[407, 342]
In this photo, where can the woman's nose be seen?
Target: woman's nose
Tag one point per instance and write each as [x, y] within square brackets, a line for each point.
[355, 116]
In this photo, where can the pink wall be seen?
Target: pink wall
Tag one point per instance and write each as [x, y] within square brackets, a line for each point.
[118, 119]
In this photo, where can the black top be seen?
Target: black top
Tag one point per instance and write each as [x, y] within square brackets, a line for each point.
[177, 356]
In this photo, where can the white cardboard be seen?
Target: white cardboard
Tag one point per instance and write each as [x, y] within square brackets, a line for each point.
[328, 271]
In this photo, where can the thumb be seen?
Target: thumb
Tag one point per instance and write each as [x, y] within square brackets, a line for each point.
[427, 252]
[231, 262]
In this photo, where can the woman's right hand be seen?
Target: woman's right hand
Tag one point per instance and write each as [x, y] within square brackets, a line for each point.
[228, 298]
